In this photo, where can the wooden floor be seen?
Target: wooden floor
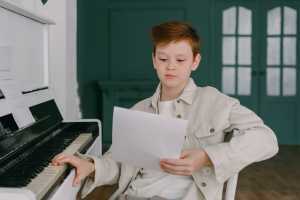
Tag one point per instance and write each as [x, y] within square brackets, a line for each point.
[275, 179]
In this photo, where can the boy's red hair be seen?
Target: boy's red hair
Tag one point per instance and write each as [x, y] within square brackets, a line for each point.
[174, 31]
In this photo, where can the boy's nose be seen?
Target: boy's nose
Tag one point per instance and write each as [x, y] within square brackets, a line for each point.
[171, 66]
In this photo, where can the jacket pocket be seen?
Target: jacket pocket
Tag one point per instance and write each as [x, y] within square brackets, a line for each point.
[210, 132]
[209, 128]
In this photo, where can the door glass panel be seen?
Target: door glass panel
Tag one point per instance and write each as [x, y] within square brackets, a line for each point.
[274, 22]
[273, 51]
[228, 80]
[289, 81]
[244, 50]
[245, 23]
[229, 20]
[229, 50]
[289, 50]
[290, 21]
[244, 81]
[273, 81]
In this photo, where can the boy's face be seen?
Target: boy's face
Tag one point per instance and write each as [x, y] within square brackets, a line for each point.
[174, 63]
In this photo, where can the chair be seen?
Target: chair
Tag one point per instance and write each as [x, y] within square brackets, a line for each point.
[230, 188]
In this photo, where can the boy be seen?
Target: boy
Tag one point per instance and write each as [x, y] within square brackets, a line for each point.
[206, 161]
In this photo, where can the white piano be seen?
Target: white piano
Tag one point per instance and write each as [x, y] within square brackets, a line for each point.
[32, 129]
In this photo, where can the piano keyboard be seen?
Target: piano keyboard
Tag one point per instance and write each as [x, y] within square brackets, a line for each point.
[31, 169]
[42, 183]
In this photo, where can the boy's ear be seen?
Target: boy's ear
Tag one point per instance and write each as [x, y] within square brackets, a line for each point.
[196, 62]
[153, 60]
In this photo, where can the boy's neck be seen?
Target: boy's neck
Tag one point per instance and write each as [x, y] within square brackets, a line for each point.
[168, 94]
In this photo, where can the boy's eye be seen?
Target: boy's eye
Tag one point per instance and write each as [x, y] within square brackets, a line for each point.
[163, 59]
[180, 60]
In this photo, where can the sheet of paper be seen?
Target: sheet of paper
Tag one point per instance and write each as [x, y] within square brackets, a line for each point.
[141, 139]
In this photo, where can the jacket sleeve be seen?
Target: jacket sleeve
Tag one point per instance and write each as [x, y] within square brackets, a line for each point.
[107, 172]
[252, 141]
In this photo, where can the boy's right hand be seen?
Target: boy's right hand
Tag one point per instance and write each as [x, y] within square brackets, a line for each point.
[83, 168]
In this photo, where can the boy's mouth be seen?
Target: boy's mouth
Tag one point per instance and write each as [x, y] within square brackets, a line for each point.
[170, 76]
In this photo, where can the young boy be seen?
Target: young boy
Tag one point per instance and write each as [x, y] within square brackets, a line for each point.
[208, 158]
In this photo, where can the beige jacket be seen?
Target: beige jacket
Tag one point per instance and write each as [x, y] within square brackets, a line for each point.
[212, 116]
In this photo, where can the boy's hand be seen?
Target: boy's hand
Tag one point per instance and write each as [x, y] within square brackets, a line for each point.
[189, 162]
[83, 168]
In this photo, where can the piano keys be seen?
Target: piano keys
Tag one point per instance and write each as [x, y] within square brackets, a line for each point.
[43, 182]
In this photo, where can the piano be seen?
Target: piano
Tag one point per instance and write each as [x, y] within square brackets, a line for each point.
[32, 129]
[25, 153]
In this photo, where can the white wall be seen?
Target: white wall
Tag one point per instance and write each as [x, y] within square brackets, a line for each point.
[62, 51]
[72, 99]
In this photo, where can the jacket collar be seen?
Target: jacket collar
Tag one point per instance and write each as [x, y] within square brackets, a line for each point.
[187, 94]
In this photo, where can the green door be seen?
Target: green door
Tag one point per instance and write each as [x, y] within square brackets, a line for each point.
[236, 62]
[279, 95]
[257, 63]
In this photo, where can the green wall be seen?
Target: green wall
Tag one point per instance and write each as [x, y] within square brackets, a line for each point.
[114, 41]
[114, 48]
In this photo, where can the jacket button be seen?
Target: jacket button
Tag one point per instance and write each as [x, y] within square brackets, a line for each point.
[178, 116]
[178, 101]
[211, 130]
[203, 184]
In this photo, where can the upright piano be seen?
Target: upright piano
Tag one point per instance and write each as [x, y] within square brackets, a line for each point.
[32, 129]
[25, 152]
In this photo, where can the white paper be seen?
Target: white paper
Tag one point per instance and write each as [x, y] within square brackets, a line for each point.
[141, 139]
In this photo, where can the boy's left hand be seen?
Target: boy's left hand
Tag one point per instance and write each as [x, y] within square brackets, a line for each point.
[189, 162]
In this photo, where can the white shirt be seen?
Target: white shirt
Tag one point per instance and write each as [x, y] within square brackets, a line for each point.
[157, 183]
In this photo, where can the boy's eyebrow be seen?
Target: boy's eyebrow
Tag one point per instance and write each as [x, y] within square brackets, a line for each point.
[160, 52]
[181, 55]
[177, 55]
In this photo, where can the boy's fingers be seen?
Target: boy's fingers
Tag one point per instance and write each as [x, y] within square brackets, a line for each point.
[174, 168]
[72, 160]
[175, 172]
[184, 154]
[179, 162]
[66, 160]
[58, 156]
[76, 180]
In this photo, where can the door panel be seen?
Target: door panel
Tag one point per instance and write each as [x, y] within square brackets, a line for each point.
[279, 96]
[236, 65]
[274, 61]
